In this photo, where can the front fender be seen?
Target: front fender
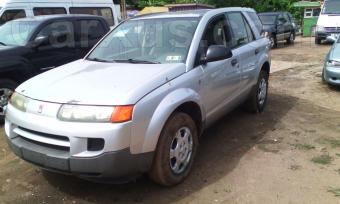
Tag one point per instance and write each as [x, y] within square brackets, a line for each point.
[151, 114]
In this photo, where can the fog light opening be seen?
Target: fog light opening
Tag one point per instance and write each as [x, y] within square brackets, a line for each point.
[95, 144]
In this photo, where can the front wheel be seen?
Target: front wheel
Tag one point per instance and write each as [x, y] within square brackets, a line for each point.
[291, 38]
[258, 97]
[273, 41]
[175, 151]
[6, 89]
[317, 41]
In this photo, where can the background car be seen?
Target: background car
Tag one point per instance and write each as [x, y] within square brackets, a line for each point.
[280, 26]
[30, 46]
[331, 71]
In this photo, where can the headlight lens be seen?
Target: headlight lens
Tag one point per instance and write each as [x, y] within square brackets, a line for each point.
[333, 63]
[320, 29]
[97, 114]
[19, 101]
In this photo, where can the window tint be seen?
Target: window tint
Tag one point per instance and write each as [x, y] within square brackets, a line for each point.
[48, 11]
[90, 30]
[286, 17]
[12, 15]
[104, 12]
[60, 33]
[239, 29]
[256, 21]
[216, 33]
[249, 31]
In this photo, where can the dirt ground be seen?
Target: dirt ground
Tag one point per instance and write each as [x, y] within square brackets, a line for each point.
[289, 154]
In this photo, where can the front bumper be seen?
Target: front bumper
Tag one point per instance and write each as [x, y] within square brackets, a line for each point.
[324, 35]
[73, 148]
[332, 75]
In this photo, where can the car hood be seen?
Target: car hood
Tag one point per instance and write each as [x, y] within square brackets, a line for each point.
[97, 83]
[335, 52]
[329, 20]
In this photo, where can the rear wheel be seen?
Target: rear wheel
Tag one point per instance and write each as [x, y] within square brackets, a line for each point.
[317, 41]
[291, 38]
[175, 151]
[257, 100]
[6, 89]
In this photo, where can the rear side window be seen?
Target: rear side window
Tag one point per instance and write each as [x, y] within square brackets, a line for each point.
[48, 11]
[256, 21]
[91, 30]
[104, 12]
[9, 15]
[239, 29]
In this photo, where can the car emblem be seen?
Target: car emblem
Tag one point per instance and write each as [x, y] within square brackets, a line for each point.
[40, 109]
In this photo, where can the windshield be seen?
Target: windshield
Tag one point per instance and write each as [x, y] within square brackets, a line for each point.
[268, 19]
[162, 40]
[331, 7]
[16, 33]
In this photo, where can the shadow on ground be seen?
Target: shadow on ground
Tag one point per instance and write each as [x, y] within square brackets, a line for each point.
[222, 146]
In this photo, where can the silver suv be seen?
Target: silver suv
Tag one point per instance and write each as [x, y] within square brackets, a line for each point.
[140, 100]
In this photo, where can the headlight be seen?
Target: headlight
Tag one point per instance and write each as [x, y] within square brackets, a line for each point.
[333, 63]
[320, 29]
[19, 101]
[97, 114]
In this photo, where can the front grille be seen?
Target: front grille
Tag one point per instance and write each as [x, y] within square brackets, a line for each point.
[43, 139]
[332, 29]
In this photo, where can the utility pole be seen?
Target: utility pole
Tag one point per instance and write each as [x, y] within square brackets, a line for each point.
[123, 7]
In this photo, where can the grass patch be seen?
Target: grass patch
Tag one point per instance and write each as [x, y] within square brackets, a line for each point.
[335, 191]
[323, 159]
[337, 154]
[333, 142]
[304, 146]
[264, 148]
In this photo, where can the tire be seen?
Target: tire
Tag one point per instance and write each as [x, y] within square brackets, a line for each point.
[257, 102]
[163, 170]
[317, 41]
[291, 38]
[5, 86]
[273, 41]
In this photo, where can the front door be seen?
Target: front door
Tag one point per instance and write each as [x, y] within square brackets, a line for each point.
[220, 78]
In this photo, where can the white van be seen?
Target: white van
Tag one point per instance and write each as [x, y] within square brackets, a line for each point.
[328, 26]
[13, 9]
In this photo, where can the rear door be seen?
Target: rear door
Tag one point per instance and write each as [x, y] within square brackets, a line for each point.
[245, 47]
[60, 48]
[88, 33]
[281, 27]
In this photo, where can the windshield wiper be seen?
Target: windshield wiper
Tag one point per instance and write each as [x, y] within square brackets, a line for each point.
[1, 43]
[98, 60]
[137, 61]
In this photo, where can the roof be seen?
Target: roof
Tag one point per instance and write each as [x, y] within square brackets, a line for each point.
[189, 5]
[307, 4]
[271, 13]
[59, 16]
[189, 13]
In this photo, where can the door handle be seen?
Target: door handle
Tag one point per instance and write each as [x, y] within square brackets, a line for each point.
[257, 51]
[234, 62]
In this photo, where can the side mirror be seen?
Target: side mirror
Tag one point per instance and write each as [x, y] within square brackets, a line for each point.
[41, 40]
[217, 53]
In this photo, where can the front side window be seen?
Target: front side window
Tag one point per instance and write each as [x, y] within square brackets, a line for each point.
[268, 19]
[60, 33]
[17, 33]
[104, 12]
[216, 33]
[163, 40]
[48, 11]
[239, 29]
[256, 20]
[9, 15]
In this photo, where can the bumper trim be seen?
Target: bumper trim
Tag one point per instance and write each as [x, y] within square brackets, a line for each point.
[119, 165]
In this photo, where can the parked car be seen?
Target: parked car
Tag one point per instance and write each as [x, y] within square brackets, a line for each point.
[327, 27]
[15, 9]
[30, 46]
[331, 70]
[280, 26]
[140, 100]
